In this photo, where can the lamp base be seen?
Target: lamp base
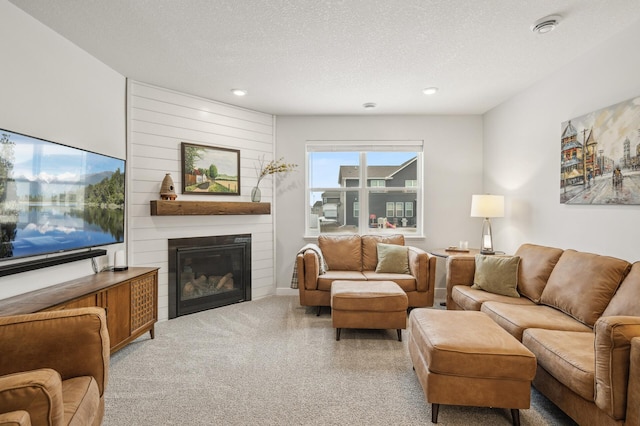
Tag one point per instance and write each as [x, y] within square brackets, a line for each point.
[486, 244]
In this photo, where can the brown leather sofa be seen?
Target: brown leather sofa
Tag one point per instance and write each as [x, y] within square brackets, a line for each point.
[54, 367]
[354, 258]
[579, 313]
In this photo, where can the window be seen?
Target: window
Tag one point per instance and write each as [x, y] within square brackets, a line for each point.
[390, 209]
[364, 187]
[399, 209]
[408, 209]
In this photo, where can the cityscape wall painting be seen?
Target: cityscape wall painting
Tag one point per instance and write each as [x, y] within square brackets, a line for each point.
[600, 160]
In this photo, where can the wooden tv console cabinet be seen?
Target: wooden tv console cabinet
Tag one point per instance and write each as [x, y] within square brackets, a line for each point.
[129, 297]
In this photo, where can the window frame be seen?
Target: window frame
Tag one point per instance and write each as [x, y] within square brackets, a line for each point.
[362, 192]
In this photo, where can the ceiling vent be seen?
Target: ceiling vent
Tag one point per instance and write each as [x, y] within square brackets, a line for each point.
[546, 24]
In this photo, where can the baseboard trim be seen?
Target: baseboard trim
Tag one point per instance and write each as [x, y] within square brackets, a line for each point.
[280, 291]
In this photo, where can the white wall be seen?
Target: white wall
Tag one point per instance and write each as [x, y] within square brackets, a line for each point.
[159, 120]
[522, 154]
[452, 173]
[54, 90]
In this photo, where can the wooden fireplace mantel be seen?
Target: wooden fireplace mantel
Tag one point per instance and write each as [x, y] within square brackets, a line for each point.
[184, 208]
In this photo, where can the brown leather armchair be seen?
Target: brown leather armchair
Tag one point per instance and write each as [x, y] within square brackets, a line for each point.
[54, 367]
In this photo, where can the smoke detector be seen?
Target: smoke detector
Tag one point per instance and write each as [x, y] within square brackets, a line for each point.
[546, 24]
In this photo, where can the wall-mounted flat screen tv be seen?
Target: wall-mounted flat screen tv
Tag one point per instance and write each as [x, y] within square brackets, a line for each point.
[56, 198]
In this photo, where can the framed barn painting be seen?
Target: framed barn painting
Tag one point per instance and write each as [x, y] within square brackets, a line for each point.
[210, 170]
[600, 156]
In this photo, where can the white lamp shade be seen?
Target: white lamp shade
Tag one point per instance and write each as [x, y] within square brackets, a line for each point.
[487, 205]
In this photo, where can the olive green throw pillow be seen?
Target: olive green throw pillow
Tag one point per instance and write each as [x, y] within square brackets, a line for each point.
[392, 259]
[497, 274]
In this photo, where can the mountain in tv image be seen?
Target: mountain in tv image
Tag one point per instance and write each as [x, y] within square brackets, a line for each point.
[84, 167]
[100, 188]
[66, 178]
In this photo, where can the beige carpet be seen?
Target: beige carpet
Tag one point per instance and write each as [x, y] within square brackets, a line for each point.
[273, 362]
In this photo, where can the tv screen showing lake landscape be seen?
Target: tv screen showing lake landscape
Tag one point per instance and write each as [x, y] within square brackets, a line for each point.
[56, 198]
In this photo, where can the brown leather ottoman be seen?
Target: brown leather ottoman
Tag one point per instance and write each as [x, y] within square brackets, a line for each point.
[368, 304]
[464, 358]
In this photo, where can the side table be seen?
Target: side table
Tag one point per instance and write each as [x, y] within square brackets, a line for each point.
[442, 254]
[445, 253]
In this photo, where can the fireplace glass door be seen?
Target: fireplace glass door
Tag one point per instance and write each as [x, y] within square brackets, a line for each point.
[211, 276]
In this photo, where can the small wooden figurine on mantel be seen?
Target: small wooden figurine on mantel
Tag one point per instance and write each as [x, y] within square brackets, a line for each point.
[167, 190]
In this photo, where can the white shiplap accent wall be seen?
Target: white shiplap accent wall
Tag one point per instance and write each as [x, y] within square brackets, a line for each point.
[158, 121]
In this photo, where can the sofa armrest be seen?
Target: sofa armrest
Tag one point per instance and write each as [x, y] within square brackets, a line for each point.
[308, 270]
[15, 418]
[633, 392]
[460, 271]
[73, 342]
[612, 355]
[422, 266]
[38, 392]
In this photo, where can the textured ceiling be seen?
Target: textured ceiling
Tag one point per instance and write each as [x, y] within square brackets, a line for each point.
[331, 56]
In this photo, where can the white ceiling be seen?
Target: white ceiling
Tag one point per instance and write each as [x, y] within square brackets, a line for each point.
[331, 56]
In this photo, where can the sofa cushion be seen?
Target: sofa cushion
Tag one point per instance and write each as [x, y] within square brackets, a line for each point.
[536, 264]
[325, 280]
[566, 355]
[517, 318]
[582, 284]
[497, 274]
[471, 299]
[341, 252]
[625, 301]
[392, 259]
[370, 249]
[407, 282]
[380, 296]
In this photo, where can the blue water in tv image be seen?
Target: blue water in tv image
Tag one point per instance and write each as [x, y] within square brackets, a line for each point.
[56, 198]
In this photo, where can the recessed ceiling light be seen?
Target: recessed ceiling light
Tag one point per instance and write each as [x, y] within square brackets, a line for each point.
[369, 105]
[239, 92]
[546, 24]
[430, 90]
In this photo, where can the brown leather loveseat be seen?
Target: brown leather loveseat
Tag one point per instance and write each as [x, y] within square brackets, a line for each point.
[54, 367]
[355, 258]
[579, 313]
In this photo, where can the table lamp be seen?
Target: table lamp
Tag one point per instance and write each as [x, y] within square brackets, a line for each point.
[487, 206]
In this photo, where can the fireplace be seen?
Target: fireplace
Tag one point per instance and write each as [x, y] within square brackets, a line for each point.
[208, 272]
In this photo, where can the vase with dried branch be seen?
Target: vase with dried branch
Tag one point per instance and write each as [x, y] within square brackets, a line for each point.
[270, 168]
